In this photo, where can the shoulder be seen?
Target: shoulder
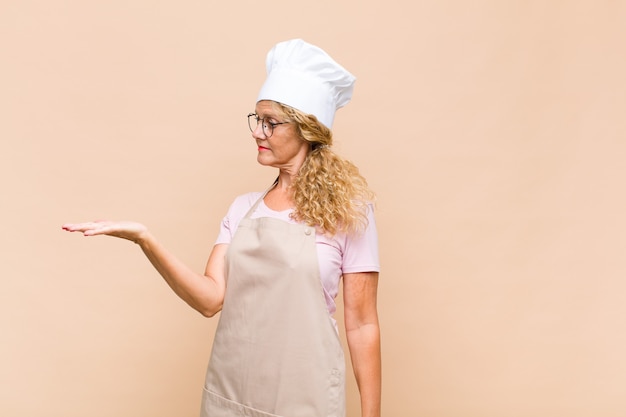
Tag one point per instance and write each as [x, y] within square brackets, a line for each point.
[238, 208]
[247, 199]
[242, 203]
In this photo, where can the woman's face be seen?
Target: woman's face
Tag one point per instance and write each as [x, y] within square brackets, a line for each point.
[284, 149]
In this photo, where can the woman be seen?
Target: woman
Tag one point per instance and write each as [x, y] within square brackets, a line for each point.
[275, 269]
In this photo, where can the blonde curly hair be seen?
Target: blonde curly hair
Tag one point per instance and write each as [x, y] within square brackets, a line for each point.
[329, 192]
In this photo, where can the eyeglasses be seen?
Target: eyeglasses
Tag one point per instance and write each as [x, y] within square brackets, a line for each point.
[267, 126]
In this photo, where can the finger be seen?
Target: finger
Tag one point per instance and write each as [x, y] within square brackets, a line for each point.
[73, 227]
[100, 230]
[81, 227]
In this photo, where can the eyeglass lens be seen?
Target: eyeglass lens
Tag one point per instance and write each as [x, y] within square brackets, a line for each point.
[253, 123]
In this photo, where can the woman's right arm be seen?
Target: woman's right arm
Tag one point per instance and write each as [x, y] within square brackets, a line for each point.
[204, 293]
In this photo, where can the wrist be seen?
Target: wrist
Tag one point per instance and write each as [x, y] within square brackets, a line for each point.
[144, 239]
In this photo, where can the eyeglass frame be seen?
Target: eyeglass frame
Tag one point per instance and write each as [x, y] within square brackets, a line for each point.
[265, 125]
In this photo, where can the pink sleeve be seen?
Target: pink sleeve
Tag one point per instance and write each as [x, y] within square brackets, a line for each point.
[235, 213]
[361, 251]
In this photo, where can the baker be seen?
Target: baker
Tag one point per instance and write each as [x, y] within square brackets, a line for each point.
[280, 256]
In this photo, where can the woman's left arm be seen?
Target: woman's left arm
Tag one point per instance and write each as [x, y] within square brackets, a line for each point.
[363, 335]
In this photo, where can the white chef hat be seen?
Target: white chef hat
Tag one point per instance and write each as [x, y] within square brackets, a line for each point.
[305, 77]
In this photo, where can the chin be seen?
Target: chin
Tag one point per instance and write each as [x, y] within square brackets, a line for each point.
[263, 161]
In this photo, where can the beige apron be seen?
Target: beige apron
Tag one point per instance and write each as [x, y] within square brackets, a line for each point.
[276, 351]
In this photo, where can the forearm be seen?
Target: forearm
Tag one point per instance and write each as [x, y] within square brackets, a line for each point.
[201, 292]
[364, 345]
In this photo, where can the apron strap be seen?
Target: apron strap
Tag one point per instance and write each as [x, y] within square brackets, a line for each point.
[256, 204]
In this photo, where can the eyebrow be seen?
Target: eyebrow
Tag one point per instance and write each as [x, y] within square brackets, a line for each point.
[271, 115]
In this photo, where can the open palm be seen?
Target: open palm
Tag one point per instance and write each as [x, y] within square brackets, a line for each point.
[132, 231]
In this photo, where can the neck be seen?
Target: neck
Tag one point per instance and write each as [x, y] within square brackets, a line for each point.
[285, 179]
[281, 196]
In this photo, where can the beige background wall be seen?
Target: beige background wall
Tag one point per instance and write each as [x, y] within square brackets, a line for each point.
[492, 131]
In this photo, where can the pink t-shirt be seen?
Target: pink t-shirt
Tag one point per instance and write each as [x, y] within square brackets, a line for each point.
[337, 255]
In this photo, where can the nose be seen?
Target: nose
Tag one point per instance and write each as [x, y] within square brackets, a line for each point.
[258, 132]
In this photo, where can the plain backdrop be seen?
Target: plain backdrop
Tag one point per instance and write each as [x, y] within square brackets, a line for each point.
[493, 133]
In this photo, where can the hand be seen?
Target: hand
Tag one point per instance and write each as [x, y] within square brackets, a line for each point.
[133, 231]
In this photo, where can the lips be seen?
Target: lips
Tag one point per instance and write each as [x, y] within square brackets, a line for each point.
[263, 148]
